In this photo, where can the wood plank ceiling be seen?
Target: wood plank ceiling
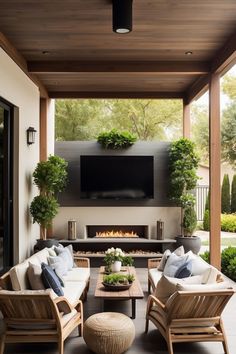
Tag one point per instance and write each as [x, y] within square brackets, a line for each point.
[71, 48]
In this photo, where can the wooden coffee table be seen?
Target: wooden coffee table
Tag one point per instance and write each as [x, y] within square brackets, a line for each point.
[133, 293]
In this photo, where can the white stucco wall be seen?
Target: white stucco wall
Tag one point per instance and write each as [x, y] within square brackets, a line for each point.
[19, 90]
[117, 216]
[51, 127]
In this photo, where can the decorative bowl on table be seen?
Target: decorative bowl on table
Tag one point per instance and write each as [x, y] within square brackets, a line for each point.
[116, 287]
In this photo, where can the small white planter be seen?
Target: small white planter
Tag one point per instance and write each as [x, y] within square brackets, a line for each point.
[116, 266]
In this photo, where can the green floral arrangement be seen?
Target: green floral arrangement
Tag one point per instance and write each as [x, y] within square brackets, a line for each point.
[114, 139]
[118, 279]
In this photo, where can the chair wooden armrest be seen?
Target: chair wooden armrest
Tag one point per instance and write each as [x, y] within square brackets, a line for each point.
[82, 262]
[63, 304]
[153, 262]
[153, 300]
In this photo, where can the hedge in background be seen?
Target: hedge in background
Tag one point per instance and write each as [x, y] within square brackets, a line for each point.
[233, 195]
[228, 261]
[206, 217]
[225, 195]
[228, 222]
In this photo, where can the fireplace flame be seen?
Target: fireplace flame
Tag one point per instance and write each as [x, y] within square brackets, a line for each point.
[120, 233]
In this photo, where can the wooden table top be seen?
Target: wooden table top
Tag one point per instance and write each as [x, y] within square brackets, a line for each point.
[134, 292]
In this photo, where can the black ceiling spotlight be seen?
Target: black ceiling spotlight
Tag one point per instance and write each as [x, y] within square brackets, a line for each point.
[122, 16]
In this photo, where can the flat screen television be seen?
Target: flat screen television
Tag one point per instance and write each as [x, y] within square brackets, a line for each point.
[116, 177]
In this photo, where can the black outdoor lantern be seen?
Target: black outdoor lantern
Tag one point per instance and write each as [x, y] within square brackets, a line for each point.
[122, 16]
[31, 135]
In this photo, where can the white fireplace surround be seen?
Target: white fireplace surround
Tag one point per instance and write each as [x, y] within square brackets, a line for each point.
[117, 216]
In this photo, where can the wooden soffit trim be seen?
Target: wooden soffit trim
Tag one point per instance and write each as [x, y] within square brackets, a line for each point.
[114, 94]
[161, 67]
[13, 53]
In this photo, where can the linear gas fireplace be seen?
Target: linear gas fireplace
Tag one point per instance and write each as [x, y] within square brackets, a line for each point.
[117, 231]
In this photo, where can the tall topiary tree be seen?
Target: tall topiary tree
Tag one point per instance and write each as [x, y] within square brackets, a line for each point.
[183, 164]
[225, 195]
[233, 195]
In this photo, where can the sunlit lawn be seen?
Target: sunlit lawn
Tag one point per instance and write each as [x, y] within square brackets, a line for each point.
[224, 242]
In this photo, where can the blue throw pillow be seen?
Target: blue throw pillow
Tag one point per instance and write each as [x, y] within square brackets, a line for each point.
[184, 271]
[50, 279]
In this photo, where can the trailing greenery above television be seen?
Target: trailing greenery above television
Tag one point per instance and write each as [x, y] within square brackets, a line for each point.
[114, 139]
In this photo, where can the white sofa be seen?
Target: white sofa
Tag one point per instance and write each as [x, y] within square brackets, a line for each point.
[202, 274]
[76, 281]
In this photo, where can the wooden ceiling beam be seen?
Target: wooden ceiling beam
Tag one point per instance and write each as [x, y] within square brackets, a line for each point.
[14, 54]
[161, 67]
[224, 59]
[115, 94]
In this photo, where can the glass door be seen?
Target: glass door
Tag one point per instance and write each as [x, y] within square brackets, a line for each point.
[6, 177]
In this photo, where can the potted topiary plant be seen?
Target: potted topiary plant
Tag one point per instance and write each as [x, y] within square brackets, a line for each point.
[183, 164]
[50, 177]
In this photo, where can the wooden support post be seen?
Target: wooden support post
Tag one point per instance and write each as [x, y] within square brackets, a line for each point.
[215, 162]
[43, 128]
[186, 120]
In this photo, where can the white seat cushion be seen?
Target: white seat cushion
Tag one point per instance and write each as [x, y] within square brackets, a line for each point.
[155, 275]
[73, 291]
[77, 274]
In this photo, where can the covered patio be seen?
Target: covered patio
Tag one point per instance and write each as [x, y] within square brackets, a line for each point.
[66, 49]
[176, 50]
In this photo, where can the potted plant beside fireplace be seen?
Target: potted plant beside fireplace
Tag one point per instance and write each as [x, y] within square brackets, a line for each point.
[50, 177]
[183, 164]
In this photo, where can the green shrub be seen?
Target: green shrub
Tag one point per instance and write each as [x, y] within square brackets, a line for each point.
[227, 255]
[206, 220]
[233, 195]
[231, 269]
[225, 195]
[228, 222]
[206, 256]
[116, 140]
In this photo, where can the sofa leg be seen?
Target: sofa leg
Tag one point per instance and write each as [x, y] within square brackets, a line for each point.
[2, 344]
[146, 325]
[80, 330]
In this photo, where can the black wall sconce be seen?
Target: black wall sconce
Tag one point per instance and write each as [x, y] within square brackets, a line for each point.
[31, 135]
[122, 16]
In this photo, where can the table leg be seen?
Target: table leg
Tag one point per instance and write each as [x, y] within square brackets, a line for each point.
[133, 309]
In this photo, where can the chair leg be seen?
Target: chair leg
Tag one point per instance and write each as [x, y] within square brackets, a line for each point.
[61, 346]
[146, 325]
[224, 343]
[2, 344]
[169, 342]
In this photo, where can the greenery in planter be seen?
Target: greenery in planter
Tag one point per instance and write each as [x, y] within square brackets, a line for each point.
[114, 139]
[50, 177]
[118, 279]
[225, 195]
[183, 164]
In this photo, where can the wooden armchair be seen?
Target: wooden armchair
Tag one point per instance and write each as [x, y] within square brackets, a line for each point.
[38, 317]
[190, 316]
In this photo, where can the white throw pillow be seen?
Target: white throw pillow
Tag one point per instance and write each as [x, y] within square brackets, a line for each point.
[179, 252]
[173, 263]
[199, 266]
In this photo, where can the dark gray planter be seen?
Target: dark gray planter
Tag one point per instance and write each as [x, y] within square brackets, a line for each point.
[190, 243]
[45, 243]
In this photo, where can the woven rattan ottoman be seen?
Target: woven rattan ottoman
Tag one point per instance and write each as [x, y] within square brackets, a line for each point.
[109, 333]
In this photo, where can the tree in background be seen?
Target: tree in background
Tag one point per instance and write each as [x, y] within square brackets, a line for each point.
[147, 119]
[233, 195]
[200, 131]
[228, 135]
[225, 195]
